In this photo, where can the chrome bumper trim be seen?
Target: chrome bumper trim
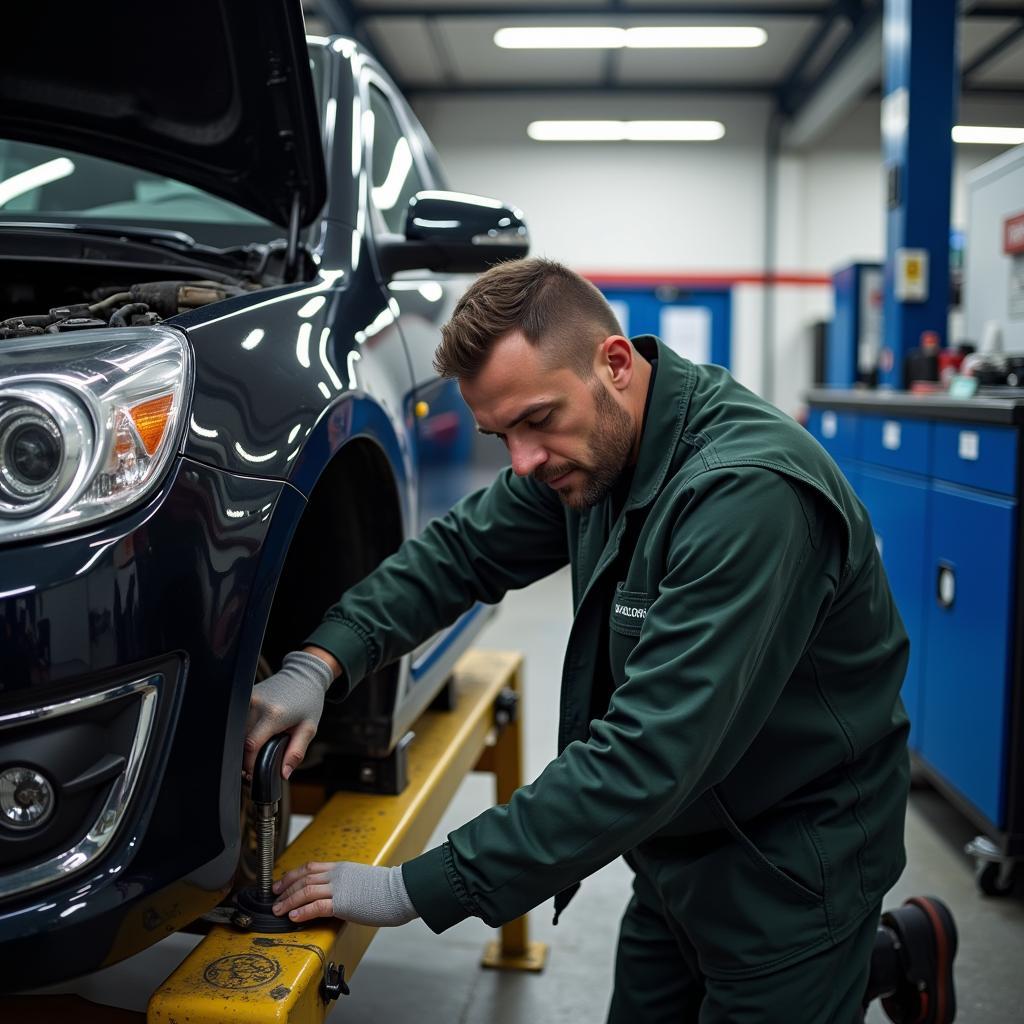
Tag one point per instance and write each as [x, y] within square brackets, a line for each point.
[103, 830]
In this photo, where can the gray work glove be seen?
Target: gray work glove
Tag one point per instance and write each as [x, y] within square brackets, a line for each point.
[291, 701]
[360, 893]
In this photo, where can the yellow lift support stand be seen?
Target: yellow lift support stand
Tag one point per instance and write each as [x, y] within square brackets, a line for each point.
[234, 975]
[248, 976]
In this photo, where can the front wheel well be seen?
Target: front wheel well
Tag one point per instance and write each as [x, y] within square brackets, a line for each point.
[351, 523]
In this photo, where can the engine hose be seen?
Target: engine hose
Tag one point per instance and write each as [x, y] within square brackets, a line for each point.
[117, 299]
[120, 316]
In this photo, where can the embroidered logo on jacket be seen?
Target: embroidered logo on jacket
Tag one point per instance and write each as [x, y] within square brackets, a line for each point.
[630, 613]
[629, 610]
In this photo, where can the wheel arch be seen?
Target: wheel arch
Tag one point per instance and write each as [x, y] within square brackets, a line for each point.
[351, 521]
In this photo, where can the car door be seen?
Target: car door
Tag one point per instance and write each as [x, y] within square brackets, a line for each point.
[422, 301]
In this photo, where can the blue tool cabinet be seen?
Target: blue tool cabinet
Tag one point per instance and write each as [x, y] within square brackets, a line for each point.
[941, 480]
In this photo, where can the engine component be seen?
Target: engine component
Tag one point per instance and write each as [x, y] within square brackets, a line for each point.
[125, 316]
[168, 298]
[75, 323]
[142, 305]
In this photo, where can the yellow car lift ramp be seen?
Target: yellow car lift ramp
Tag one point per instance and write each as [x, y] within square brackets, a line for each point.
[233, 975]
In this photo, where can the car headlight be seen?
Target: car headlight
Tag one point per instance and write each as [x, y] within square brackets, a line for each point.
[88, 424]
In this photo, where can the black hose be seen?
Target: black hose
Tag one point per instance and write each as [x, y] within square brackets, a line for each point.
[117, 299]
[120, 316]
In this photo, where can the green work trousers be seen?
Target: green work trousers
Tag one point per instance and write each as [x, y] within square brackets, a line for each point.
[658, 980]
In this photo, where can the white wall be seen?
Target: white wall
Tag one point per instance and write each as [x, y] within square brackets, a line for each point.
[693, 208]
[658, 207]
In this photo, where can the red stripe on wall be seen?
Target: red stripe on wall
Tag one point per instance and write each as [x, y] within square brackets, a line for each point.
[641, 280]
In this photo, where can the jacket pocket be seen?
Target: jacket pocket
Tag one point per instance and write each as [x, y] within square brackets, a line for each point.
[801, 850]
[751, 902]
[625, 622]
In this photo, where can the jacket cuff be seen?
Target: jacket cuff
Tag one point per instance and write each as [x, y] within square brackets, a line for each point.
[347, 644]
[432, 884]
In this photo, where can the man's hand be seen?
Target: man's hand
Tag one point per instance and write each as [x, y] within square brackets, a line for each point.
[291, 701]
[360, 893]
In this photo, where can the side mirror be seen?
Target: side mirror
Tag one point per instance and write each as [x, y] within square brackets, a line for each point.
[451, 232]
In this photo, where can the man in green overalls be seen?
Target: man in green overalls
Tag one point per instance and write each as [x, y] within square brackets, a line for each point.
[730, 712]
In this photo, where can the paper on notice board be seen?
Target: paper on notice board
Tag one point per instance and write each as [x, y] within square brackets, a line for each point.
[687, 331]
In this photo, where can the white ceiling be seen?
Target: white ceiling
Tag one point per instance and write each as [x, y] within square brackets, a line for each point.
[436, 46]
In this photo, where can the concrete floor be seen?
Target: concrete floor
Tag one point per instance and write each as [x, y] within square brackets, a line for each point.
[409, 974]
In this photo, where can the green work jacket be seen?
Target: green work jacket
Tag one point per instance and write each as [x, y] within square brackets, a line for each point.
[752, 757]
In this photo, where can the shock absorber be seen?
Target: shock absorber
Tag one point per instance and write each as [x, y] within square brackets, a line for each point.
[254, 904]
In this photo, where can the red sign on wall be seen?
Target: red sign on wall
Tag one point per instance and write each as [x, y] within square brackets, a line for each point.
[1013, 235]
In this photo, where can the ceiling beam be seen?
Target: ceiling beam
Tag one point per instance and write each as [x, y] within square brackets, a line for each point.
[555, 10]
[990, 53]
[345, 20]
[444, 57]
[762, 89]
[793, 78]
[850, 73]
[339, 15]
[1004, 91]
[610, 57]
[990, 11]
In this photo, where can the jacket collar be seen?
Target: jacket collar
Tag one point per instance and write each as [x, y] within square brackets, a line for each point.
[666, 416]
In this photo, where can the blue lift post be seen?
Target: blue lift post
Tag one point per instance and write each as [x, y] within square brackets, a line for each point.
[918, 112]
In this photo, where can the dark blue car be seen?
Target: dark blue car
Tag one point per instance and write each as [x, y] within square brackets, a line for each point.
[225, 255]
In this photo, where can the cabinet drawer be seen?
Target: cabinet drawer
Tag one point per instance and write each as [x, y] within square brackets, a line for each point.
[837, 432]
[982, 457]
[896, 443]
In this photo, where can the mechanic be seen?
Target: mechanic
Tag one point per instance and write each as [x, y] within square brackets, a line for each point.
[730, 716]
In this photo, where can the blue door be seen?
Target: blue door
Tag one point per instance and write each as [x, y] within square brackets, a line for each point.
[972, 555]
[663, 311]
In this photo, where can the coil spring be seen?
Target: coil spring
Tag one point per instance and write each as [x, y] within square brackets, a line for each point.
[265, 844]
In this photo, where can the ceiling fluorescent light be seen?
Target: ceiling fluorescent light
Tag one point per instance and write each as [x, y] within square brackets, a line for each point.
[694, 37]
[626, 131]
[670, 37]
[982, 135]
[579, 38]
[576, 131]
[674, 131]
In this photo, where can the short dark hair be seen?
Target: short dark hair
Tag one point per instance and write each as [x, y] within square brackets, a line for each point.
[553, 306]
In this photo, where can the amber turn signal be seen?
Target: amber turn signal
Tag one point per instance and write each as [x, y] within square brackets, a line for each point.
[150, 419]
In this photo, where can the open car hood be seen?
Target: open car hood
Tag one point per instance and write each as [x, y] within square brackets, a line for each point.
[214, 93]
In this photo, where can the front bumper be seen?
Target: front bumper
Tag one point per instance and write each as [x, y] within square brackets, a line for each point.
[145, 634]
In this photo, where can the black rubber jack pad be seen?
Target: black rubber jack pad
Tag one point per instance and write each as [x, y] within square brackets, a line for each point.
[255, 914]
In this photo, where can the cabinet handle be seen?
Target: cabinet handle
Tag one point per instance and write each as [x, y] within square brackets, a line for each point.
[945, 585]
[892, 435]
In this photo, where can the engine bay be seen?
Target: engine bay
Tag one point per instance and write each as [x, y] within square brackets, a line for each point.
[134, 305]
[86, 277]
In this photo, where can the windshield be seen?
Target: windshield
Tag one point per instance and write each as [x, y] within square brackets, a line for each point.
[45, 183]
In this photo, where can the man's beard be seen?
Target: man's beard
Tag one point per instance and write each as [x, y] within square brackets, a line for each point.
[610, 446]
